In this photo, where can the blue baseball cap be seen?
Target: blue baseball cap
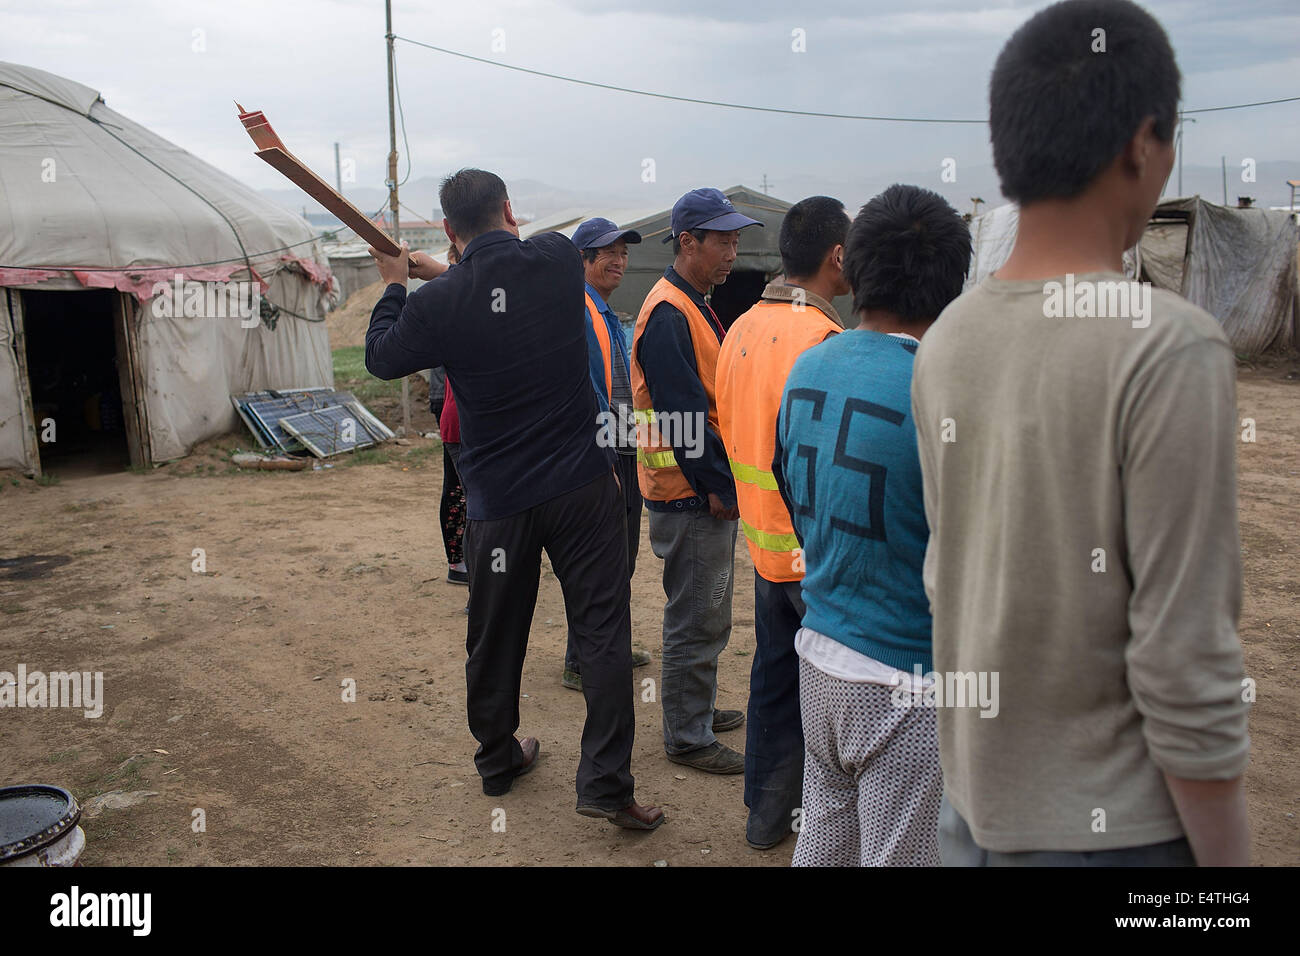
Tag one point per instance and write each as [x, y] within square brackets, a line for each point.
[598, 233]
[706, 208]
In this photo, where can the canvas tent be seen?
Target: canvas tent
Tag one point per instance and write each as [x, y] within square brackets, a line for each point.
[992, 234]
[102, 225]
[1237, 264]
[759, 259]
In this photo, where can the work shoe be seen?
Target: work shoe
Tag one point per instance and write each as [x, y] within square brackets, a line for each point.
[727, 720]
[770, 845]
[532, 753]
[632, 817]
[717, 757]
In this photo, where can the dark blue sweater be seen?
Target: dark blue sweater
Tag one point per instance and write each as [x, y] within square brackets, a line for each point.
[508, 325]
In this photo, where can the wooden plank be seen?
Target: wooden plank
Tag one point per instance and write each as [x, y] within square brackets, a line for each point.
[126, 386]
[131, 382]
[273, 151]
[292, 168]
[26, 412]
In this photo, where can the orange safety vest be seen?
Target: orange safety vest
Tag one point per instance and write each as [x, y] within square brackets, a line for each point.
[657, 471]
[754, 363]
[606, 347]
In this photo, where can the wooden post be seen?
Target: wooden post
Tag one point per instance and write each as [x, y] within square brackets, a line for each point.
[392, 191]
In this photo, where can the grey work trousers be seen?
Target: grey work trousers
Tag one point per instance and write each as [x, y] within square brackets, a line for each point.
[698, 551]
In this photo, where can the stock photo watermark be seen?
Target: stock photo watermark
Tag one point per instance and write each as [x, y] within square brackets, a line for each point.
[73, 690]
[957, 689]
[1090, 299]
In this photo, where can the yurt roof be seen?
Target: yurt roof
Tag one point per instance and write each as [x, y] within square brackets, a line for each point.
[85, 189]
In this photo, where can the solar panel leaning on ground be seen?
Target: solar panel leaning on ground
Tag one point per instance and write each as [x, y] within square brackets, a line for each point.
[335, 429]
[264, 414]
[265, 429]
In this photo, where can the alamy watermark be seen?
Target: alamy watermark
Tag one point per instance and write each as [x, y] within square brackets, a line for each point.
[79, 690]
[1091, 299]
[241, 299]
[662, 429]
[949, 689]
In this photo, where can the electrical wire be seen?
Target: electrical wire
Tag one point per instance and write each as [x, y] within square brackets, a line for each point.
[1242, 106]
[682, 99]
[397, 90]
[418, 217]
[766, 109]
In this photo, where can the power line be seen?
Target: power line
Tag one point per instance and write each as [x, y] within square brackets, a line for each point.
[397, 90]
[1242, 106]
[683, 99]
[768, 109]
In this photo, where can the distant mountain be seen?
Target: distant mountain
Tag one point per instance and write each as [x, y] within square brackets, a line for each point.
[1269, 188]
[533, 199]
[529, 198]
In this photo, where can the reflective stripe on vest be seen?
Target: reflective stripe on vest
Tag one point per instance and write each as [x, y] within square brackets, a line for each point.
[606, 347]
[656, 459]
[753, 475]
[753, 365]
[784, 543]
[658, 474]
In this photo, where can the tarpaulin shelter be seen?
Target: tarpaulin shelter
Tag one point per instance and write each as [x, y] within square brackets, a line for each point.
[992, 234]
[123, 263]
[1237, 264]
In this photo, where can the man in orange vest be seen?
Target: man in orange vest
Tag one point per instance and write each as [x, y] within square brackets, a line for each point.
[604, 260]
[684, 475]
[755, 360]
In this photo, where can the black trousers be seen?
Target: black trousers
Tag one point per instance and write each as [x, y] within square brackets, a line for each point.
[626, 465]
[774, 747]
[451, 510]
[583, 532]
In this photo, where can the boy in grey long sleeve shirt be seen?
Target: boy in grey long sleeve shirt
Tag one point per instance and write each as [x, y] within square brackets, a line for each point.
[1077, 438]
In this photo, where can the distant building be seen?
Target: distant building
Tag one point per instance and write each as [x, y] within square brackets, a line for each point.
[758, 263]
[416, 233]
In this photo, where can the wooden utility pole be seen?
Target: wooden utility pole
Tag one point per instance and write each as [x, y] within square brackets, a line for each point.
[392, 189]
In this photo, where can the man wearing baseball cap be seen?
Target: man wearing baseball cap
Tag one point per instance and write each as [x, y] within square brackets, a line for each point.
[604, 260]
[685, 477]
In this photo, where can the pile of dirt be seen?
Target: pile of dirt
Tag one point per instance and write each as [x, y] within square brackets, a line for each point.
[347, 324]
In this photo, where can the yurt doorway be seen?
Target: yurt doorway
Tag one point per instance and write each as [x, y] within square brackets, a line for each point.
[77, 372]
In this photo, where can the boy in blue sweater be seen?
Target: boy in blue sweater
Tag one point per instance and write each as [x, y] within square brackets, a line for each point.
[846, 464]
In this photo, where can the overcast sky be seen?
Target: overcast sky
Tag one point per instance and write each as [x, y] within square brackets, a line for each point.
[318, 70]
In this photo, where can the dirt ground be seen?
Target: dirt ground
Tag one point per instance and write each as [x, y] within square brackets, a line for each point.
[224, 689]
[348, 323]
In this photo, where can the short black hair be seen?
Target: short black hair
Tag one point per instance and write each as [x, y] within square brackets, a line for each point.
[699, 235]
[471, 201]
[590, 255]
[812, 227]
[1059, 113]
[907, 253]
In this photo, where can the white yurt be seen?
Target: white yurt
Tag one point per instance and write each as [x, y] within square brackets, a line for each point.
[139, 287]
